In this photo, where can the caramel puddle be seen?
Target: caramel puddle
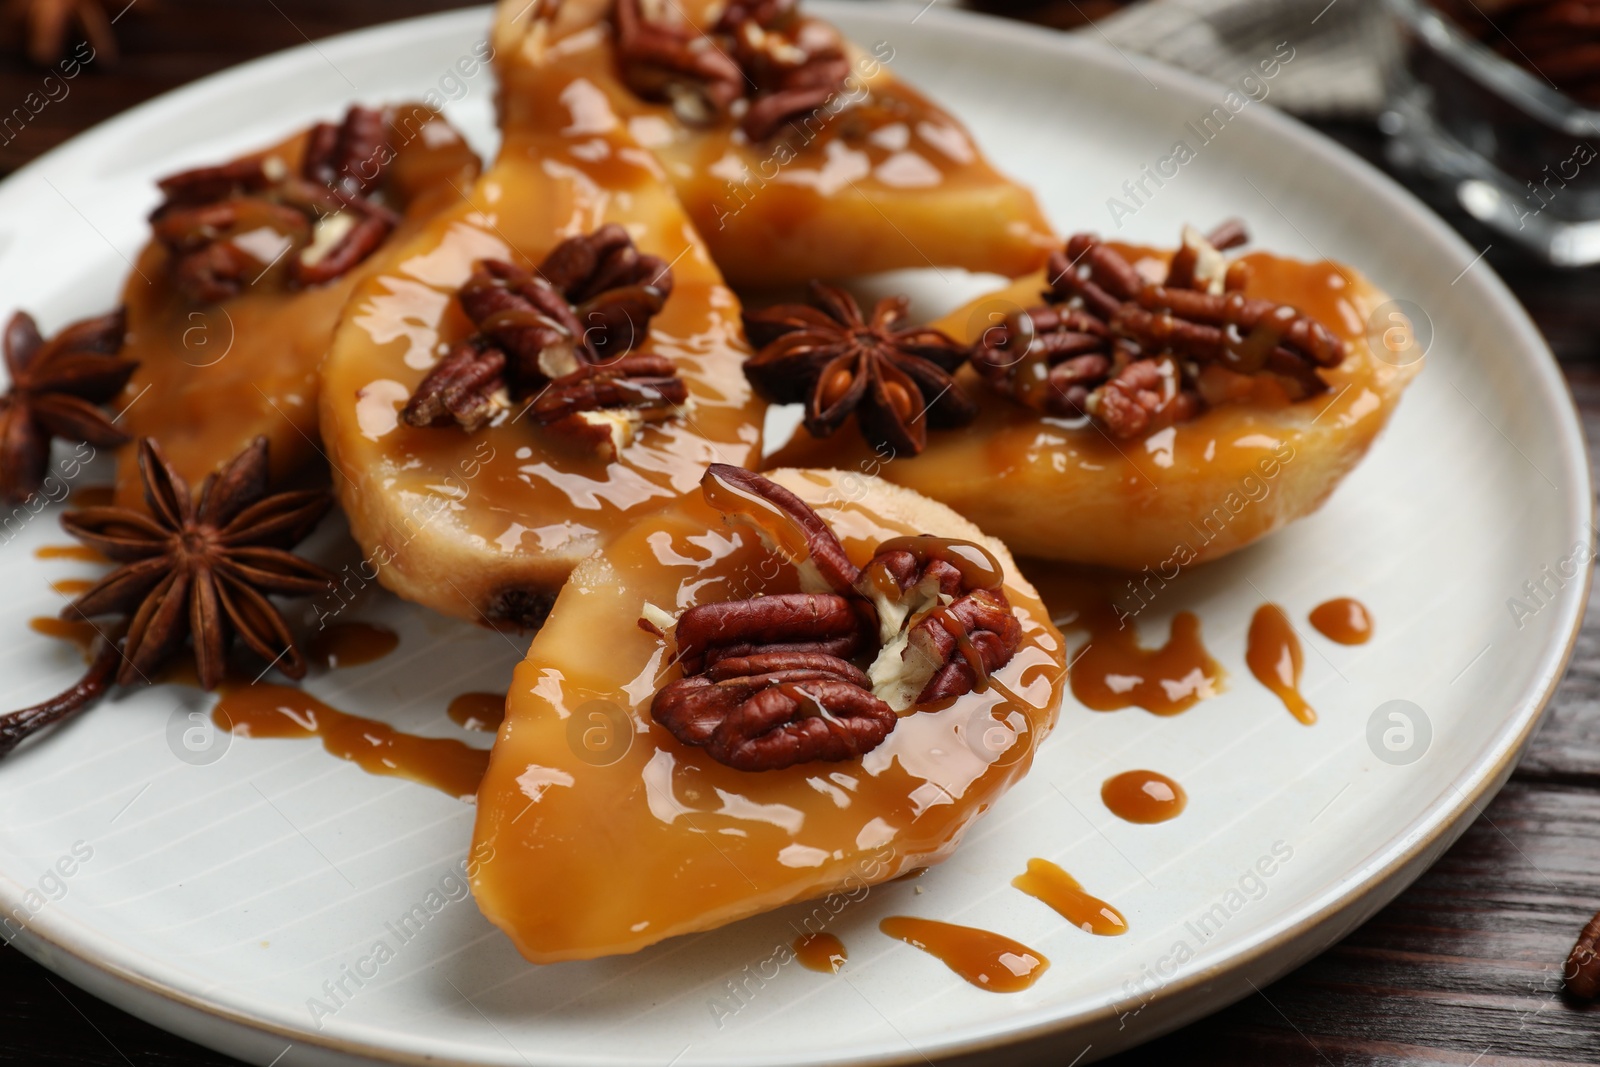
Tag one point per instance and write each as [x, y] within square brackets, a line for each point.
[1046, 881]
[1344, 620]
[988, 960]
[478, 711]
[1143, 796]
[350, 644]
[267, 710]
[820, 952]
[76, 632]
[1112, 670]
[1275, 658]
[82, 553]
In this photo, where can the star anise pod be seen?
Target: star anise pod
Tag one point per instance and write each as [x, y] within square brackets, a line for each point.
[197, 569]
[760, 62]
[57, 387]
[1136, 356]
[226, 226]
[46, 24]
[788, 678]
[562, 334]
[898, 380]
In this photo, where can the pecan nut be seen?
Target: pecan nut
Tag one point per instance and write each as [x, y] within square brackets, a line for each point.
[1582, 975]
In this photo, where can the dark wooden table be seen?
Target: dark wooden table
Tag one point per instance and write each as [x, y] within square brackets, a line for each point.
[1462, 969]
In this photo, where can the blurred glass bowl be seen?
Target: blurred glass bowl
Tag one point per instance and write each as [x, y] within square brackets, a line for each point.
[1516, 153]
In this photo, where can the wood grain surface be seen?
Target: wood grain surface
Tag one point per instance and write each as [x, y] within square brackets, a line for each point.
[1463, 968]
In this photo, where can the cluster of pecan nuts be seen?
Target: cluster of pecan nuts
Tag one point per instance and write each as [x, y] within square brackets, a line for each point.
[1132, 354]
[761, 63]
[778, 680]
[562, 334]
[226, 226]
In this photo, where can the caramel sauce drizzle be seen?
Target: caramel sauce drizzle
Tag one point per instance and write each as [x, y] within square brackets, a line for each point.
[75, 632]
[81, 553]
[988, 960]
[731, 500]
[72, 586]
[350, 644]
[267, 710]
[478, 711]
[1143, 797]
[820, 952]
[1111, 670]
[1046, 881]
[1344, 620]
[979, 569]
[1275, 658]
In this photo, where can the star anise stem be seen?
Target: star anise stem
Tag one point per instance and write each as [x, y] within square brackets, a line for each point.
[18, 726]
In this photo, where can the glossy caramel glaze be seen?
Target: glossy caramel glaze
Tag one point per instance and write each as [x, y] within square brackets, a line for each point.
[988, 960]
[1061, 489]
[1344, 620]
[820, 952]
[213, 377]
[1275, 658]
[76, 632]
[265, 710]
[1143, 797]
[1046, 881]
[350, 644]
[486, 526]
[72, 586]
[880, 178]
[1111, 669]
[478, 711]
[704, 844]
[81, 553]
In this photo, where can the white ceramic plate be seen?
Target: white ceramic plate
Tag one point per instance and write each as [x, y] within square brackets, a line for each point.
[220, 896]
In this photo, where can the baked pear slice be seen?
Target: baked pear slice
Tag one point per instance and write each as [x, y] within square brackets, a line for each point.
[232, 304]
[1140, 409]
[547, 361]
[816, 700]
[796, 153]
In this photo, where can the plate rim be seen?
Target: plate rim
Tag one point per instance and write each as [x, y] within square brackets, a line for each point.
[1386, 871]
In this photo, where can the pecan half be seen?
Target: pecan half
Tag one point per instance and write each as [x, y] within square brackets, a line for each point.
[1582, 974]
[778, 680]
[563, 335]
[1130, 354]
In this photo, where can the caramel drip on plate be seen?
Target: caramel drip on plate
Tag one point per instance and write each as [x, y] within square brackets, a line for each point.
[1143, 796]
[82, 553]
[820, 952]
[1046, 881]
[284, 711]
[72, 586]
[93, 496]
[1111, 670]
[1275, 658]
[350, 644]
[478, 711]
[988, 960]
[75, 632]
[1343, 620]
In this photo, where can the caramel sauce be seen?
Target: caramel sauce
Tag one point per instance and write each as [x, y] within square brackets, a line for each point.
[988, 960]
[1060, 489]
[266, 710]
[93, 496]
[1343, 620]
[775, 523]
[72, 586]
[75, 632]
[820, 952]
[478, 711]
[350, 644]
[1112, 670]
[977, 565]
[1143, 797]
[81, 553]
[1275, 658]
[707, 843]
[1046, 881]
[213, 377]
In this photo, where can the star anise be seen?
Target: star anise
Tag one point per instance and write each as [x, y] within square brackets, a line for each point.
[198, 568]
[57, 387]
[788, 678]
[898, 380]
[562, 335]
[760, 63]
[46, 24]
[1136, 356]
[227, 226]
